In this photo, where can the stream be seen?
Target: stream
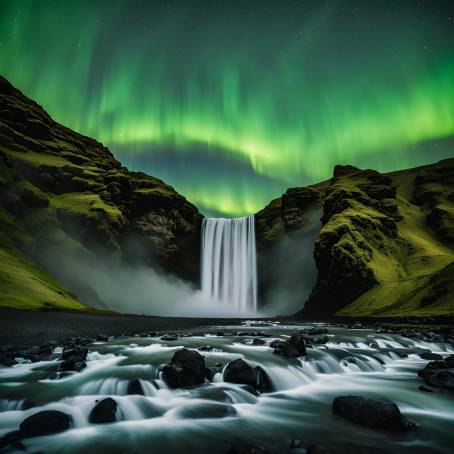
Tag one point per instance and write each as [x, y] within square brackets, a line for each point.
[210, 417]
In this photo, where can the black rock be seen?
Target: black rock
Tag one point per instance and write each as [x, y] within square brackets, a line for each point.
[430, 356]
[371, 413]
[135, 387]
[439, 374]
[277, 343]
[258, 341]
[45, 423]
[186, 369]
[317, 331]
[239, 371]
[73, 358]
[293, 347]
[102, 338]
[441, 379]
[45, 350]
[12, 439]
[220, 333]
[104, 412]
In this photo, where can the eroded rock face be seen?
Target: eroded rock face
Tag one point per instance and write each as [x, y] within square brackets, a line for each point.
[80, 194]
[434, 191]
[359, 217]
[372, 413]
[285, 230]
[186, 369]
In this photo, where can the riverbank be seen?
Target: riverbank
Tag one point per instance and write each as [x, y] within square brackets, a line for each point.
[23, 328]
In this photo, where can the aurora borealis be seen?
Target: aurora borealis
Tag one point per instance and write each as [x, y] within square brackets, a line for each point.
[231, 102]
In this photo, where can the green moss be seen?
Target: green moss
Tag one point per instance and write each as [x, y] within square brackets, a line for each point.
[23, 284]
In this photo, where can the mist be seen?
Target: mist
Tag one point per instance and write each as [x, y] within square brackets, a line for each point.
[104, 281]
[289, 271]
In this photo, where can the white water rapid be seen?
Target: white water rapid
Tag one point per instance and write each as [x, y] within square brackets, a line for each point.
[229, 268]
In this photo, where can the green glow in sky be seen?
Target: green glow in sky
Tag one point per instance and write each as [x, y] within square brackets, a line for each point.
[233, 102]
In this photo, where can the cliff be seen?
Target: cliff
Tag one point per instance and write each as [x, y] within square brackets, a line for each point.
[385, 246]
[63, 193]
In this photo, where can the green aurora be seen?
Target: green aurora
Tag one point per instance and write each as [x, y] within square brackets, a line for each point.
[233, 102]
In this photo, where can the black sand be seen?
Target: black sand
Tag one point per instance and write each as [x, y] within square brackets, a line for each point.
[22, 328]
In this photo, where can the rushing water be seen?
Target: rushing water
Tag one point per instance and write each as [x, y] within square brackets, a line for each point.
[229, 268]
[209, 417]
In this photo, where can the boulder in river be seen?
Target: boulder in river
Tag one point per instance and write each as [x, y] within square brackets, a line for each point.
[135, 387]
[291, 348]
[372, 413]
[74, 358]
[45, 423]
[104, 412]
[439, 374]
[430, 356]
[239, 371]
[186, 369]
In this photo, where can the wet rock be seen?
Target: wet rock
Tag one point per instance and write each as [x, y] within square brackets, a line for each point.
[45, 423]
[277, 343]
[8, 359]
[372, 413]
[12, 439]
[104, 412]
[443, 379]
[258, 341]
[439, 374]
[73, 358]
[317, 331]
[45, 350]
[135, 387]
[220, 333]
[430, 356]
[292, 348]
[186, 369]
[102, 338]
[239, 371]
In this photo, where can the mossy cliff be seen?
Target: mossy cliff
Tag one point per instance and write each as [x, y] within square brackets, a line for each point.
[64, 193]
[386, 243]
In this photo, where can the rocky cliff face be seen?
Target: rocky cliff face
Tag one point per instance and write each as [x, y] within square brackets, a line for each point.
[62, 192]
[385, 246]
[285, 232]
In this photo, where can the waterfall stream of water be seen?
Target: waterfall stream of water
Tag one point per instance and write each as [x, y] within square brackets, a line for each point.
[229, 268]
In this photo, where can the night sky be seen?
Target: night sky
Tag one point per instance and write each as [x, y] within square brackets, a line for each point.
[231, 102]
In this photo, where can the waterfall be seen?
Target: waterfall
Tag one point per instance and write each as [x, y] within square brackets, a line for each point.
[229, 268]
